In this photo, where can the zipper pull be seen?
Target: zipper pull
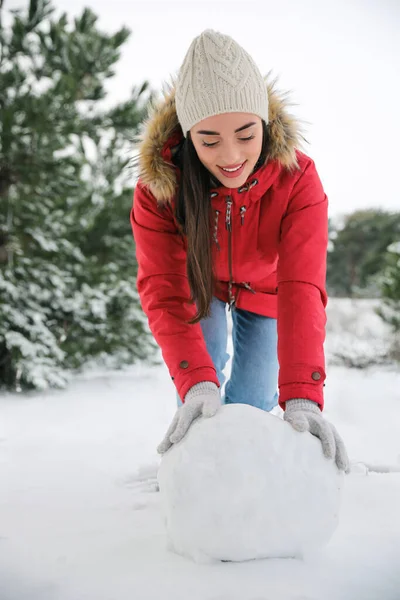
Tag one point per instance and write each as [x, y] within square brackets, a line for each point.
[242, 211]
[248, 287]
[228, 212]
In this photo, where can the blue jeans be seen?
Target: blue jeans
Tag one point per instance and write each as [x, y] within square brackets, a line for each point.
[254, 374]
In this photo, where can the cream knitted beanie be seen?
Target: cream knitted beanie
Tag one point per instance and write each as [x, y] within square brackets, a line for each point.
[218, 76]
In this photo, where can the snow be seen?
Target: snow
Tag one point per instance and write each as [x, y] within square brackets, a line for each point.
[80, 518]
[395, 248]
[245, 485]
[356, 335]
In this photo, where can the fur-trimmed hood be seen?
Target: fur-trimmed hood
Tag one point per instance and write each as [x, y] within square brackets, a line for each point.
[161, 131]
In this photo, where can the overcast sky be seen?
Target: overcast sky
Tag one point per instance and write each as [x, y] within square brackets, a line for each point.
[339, 58]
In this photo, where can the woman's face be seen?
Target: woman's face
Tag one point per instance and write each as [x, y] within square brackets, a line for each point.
[229, 146]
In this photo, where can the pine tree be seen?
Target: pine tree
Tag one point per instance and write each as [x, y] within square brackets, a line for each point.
[390, 282]
[389, 309]
[67, 267]
[357, 251]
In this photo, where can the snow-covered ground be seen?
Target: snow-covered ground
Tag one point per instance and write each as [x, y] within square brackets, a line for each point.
[80, 516]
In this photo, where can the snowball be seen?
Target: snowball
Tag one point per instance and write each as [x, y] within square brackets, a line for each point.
[243, 485]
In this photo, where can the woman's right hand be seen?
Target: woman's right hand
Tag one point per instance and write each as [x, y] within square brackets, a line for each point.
[203, 399]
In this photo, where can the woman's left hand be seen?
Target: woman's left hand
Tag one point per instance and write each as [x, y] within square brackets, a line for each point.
[305, 415]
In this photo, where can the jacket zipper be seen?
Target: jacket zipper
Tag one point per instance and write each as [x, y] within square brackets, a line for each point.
[228, 225]
[242, 214]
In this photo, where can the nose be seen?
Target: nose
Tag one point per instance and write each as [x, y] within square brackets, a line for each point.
[230, 157]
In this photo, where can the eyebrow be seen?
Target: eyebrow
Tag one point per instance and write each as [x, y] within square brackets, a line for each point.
[207, 132]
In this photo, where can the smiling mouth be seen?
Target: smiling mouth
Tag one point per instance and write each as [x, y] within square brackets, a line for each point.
[232, 169]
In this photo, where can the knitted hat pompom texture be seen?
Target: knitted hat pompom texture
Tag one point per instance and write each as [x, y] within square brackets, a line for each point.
[218, 76]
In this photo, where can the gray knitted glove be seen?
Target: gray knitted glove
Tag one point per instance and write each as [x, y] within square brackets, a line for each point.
[305, 415]
[203, 399]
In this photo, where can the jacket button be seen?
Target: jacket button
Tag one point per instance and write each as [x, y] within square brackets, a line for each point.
[184, 364]
[316, 376]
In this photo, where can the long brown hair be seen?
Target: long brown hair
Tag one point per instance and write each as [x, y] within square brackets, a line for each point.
[193, 212]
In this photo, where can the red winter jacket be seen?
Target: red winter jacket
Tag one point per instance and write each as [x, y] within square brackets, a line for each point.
[277, 229]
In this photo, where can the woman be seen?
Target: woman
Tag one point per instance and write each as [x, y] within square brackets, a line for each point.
[228, 212]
